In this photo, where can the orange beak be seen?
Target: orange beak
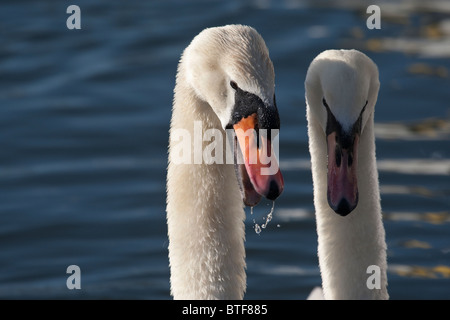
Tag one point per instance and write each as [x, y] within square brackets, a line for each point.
[261, 164]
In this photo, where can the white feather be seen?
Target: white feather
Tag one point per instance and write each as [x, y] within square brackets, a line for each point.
[205, 214]
[347, 245]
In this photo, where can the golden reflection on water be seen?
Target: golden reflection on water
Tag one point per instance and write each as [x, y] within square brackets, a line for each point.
[410, 190]
[428, 38]
[437, 217]
[416, 244]
[428, 70]
[415, 166]
[439, 271]
[425, 129]
[429, 217]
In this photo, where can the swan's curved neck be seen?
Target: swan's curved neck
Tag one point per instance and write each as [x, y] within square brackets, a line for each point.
[204, 213]
[348, 246]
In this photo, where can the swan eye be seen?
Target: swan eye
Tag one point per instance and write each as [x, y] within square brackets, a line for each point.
[325, 103]
[234, 85]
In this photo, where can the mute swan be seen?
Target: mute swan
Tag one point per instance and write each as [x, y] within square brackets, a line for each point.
[341, 91]
[225, 80]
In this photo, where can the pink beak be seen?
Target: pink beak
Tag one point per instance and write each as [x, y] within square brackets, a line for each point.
[342, 192]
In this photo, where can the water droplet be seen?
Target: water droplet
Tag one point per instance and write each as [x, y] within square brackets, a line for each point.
[258, 228]
[269, 216]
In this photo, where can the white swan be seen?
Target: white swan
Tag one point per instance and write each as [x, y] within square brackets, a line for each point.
[225, 80]
[341, 92]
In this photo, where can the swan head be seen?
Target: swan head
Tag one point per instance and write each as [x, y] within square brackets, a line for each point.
[229, 68]
[341, 93]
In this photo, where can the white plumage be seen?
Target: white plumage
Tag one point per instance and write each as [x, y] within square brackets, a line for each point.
[344, 81]
[205, 214]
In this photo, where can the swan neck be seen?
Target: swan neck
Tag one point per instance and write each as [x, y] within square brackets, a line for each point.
[204, 213]
[348, 246]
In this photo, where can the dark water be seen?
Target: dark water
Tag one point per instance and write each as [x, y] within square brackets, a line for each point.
[84, 118]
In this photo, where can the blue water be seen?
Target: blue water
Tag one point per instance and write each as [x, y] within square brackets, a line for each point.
[84, 119]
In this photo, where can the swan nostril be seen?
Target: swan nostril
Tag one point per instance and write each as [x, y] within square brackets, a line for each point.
[274, 191]
[350, 159]
[338, 155]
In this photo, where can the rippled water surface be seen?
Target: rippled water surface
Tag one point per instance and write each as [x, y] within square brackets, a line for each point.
[84, 118]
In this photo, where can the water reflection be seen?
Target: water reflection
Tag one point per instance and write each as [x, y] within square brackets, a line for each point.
[415, 166]
[416, 244]
[426, 129]
[413, 190]
[428, 36]
[298, 214]
[403, 166]
[439, 271]
[430, 217]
